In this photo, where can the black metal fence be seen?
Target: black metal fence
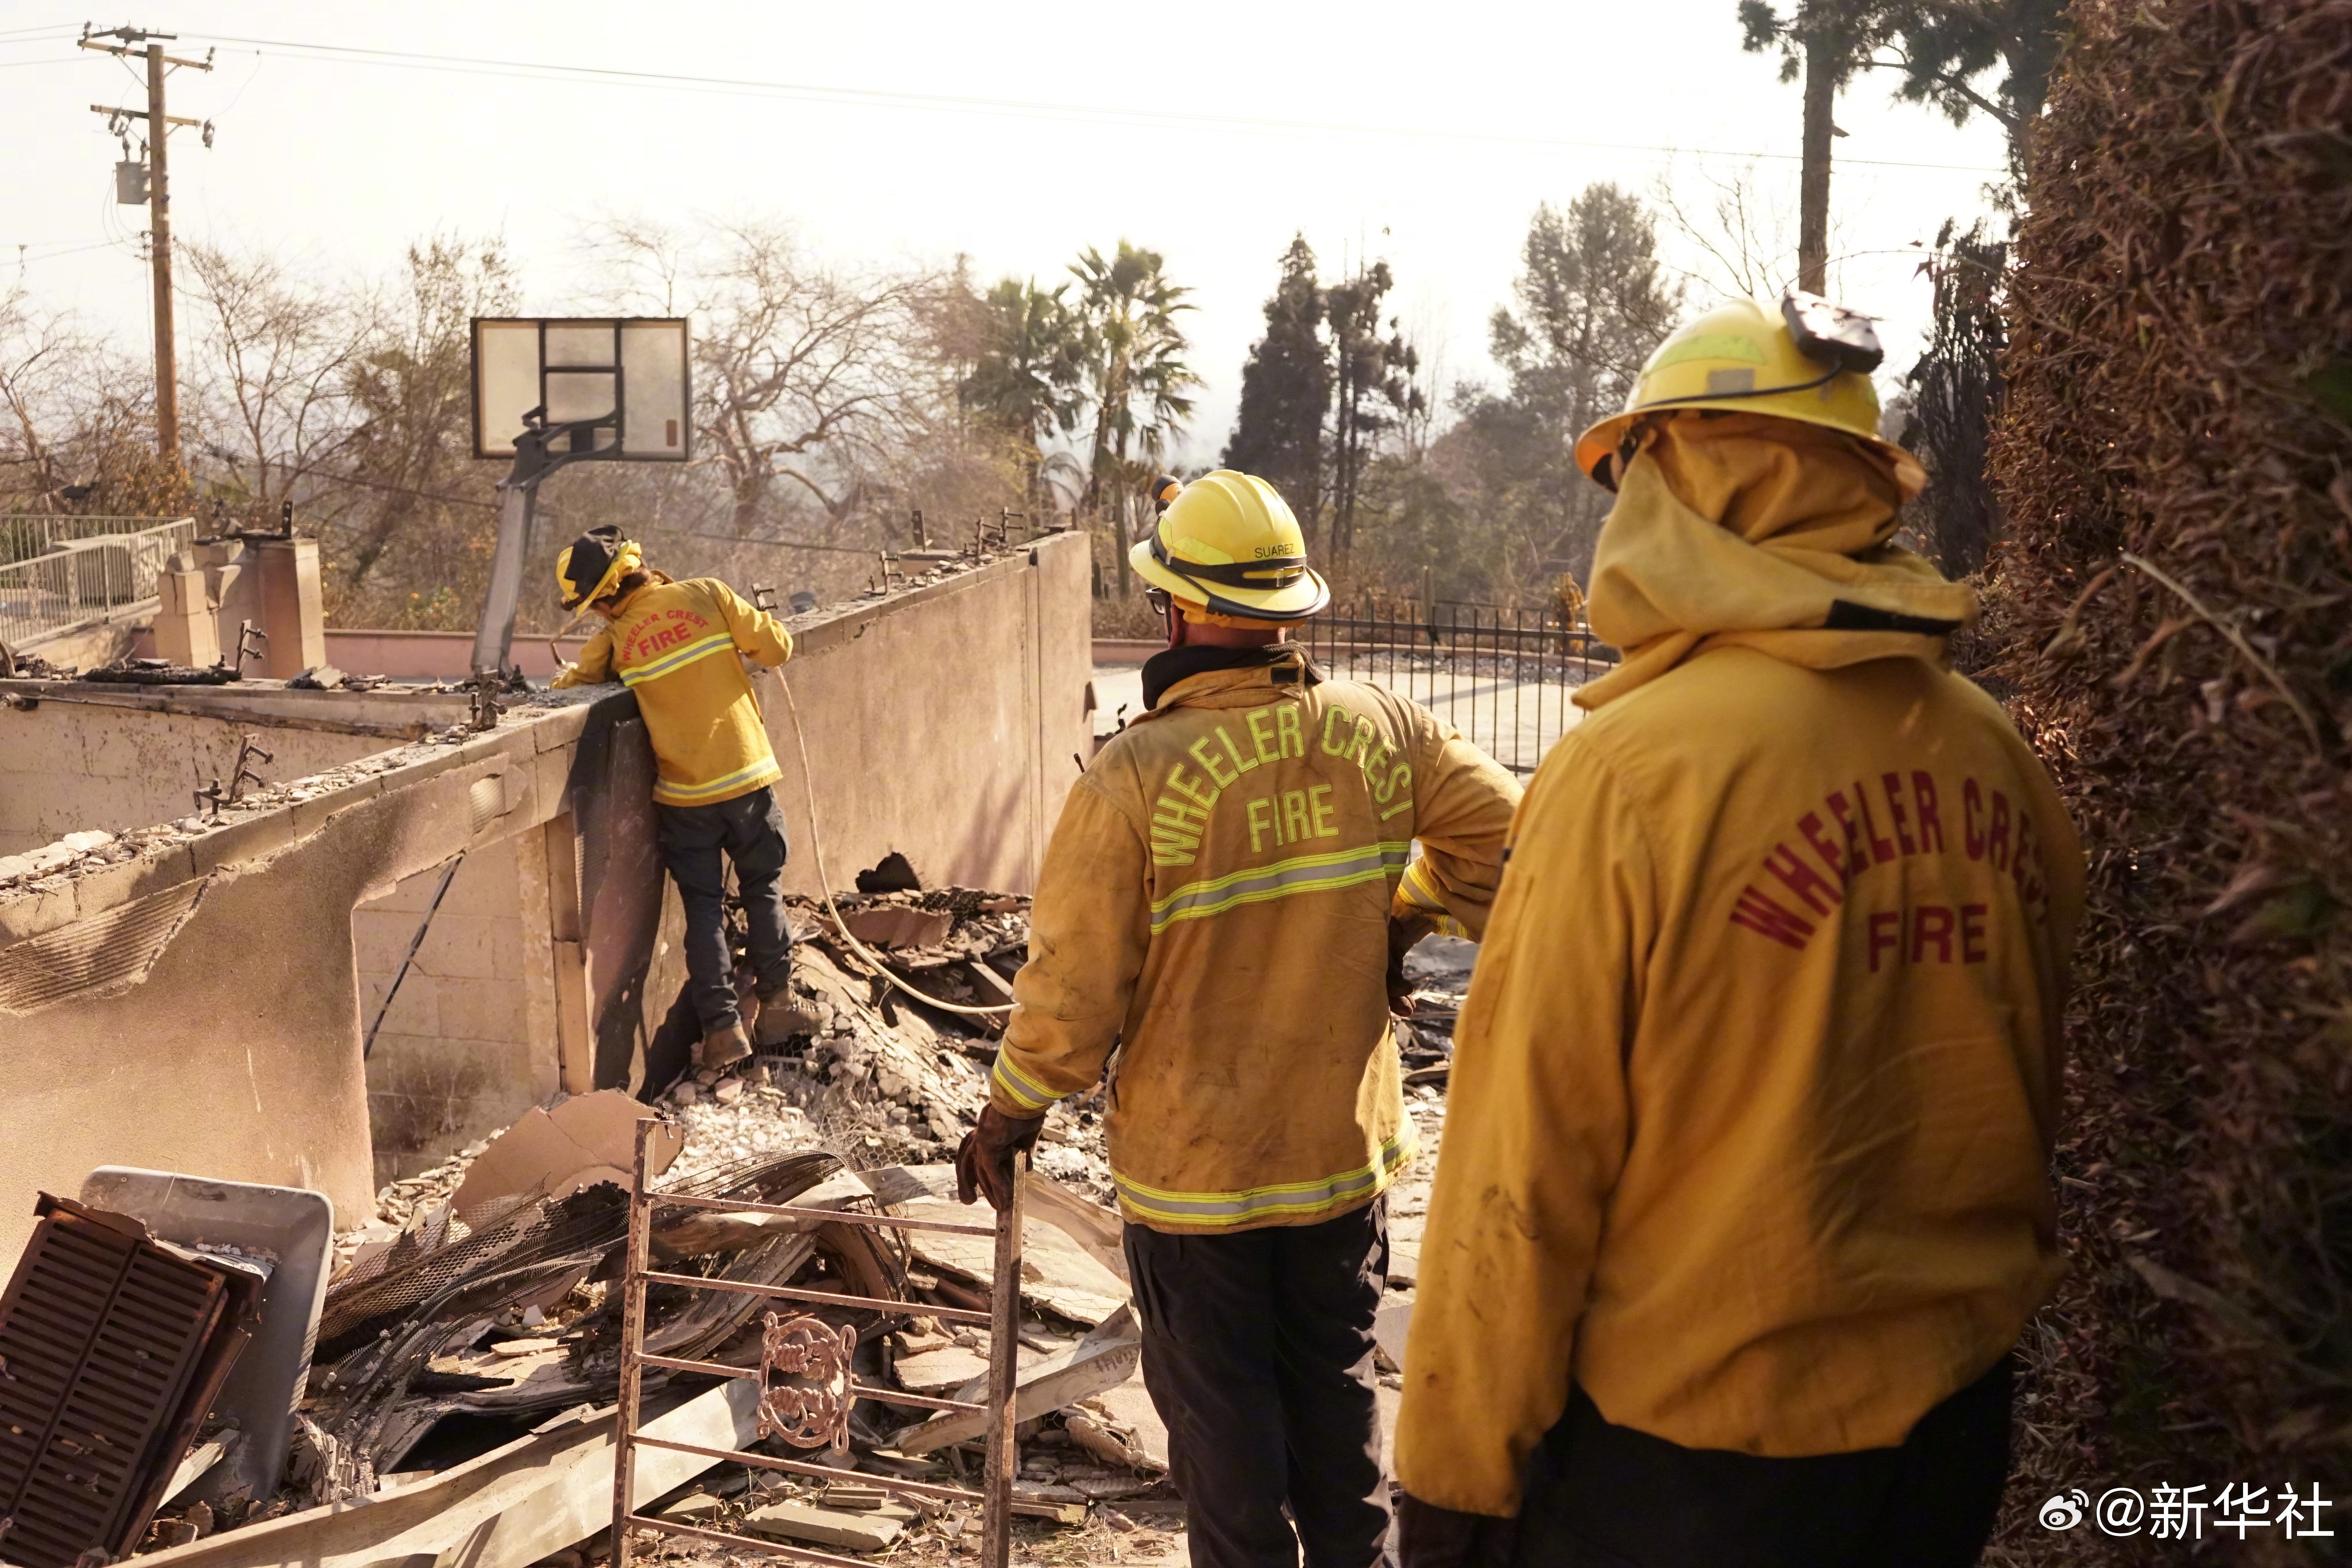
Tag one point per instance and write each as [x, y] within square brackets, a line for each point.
[1503, 676]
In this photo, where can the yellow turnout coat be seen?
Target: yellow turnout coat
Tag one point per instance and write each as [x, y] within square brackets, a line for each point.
[673, 644]
[1754, 1088]
[1217, 895]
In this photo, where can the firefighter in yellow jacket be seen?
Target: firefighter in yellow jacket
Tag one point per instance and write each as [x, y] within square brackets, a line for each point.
[1743, 1199]
[674, 645]
[1227, 897]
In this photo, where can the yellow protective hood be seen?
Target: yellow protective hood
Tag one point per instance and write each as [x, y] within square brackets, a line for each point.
[1747, 530]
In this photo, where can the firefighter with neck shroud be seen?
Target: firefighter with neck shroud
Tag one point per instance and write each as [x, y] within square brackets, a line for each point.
[1227, 899]
[675, 645]
[1744, 1197]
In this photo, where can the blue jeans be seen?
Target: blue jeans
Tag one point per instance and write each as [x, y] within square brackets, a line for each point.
[749, 831]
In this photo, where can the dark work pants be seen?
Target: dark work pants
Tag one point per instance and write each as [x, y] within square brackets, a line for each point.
[1257, 1350]
[749, 831]
[1600, 1496]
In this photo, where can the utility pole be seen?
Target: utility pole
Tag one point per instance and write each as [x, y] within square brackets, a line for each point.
[159, 199]
[158, 246]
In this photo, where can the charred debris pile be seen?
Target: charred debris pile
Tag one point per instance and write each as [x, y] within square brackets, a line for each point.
[476, 1309]
[471, 1327]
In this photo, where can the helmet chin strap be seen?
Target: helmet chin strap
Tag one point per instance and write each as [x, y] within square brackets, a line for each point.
[1201, 615]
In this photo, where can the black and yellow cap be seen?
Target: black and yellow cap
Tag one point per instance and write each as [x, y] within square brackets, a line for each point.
[588, 567]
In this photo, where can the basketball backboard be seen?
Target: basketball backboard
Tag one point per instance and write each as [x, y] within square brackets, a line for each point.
[633, 371]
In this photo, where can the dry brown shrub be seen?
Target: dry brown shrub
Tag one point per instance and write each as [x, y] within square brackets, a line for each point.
[2171, 620]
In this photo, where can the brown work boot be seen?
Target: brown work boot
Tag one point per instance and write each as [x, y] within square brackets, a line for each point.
[723, 1048]
[780, 1018]
[746, 1000]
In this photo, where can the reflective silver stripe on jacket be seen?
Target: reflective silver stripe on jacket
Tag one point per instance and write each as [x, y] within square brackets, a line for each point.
[1305, 874]
[677, 658]
[1254, 1203]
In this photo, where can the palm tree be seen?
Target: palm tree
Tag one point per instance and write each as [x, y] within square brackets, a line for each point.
[1025, 377]
[1135, 375]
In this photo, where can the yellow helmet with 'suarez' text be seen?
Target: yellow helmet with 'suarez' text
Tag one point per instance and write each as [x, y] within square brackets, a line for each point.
[1812, 362]
[1230, 543]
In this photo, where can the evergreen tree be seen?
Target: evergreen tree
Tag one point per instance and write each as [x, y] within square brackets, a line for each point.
[1374, 386]
[1938, 49]
[1592, 304]
[1286, 392]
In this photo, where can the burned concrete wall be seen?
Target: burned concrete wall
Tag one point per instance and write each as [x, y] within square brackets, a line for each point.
[66, 768]
[197, 1007]
[201, 1004]
[944, 723]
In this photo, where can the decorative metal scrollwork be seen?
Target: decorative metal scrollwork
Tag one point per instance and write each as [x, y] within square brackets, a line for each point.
[804, 1415]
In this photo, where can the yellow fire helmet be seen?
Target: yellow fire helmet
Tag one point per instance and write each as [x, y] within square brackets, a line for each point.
[1811, 362]
[1229, 541]
[587, 568]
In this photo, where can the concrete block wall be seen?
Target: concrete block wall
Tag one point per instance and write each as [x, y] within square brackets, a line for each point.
[210, 589]
[232, 1046]
[293, 608]
[471, 1041]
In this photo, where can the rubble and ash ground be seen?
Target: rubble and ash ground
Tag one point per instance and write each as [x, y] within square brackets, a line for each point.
[879, 1080]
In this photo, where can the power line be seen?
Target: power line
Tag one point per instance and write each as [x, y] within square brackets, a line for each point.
[28, 261]
[82, 242]
[534, 70]
[778, 543]
[332, 474]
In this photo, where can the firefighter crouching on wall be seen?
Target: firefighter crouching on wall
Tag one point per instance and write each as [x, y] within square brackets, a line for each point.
[1743, 1199]
[1227, 893]
[674, 645]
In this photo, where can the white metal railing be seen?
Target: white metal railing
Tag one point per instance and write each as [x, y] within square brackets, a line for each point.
[87, 581]
[29, 534]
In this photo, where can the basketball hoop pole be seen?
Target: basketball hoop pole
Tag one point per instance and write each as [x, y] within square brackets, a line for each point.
[518, 505]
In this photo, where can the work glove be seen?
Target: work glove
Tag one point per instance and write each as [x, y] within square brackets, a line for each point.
[1428, 1536]
[984, 1158]
[1404, 932]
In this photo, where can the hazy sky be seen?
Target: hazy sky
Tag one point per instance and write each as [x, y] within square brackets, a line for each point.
[1423, 134]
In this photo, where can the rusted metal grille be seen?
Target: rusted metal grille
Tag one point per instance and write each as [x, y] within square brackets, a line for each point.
[815, 1413]
[101, 1334]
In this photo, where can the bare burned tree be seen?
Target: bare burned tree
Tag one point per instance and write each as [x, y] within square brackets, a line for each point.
[275, 357]
[408, 486]
[805, 374]
[76, 429]
[1738, 235]
[43, 360]
[33, 352]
